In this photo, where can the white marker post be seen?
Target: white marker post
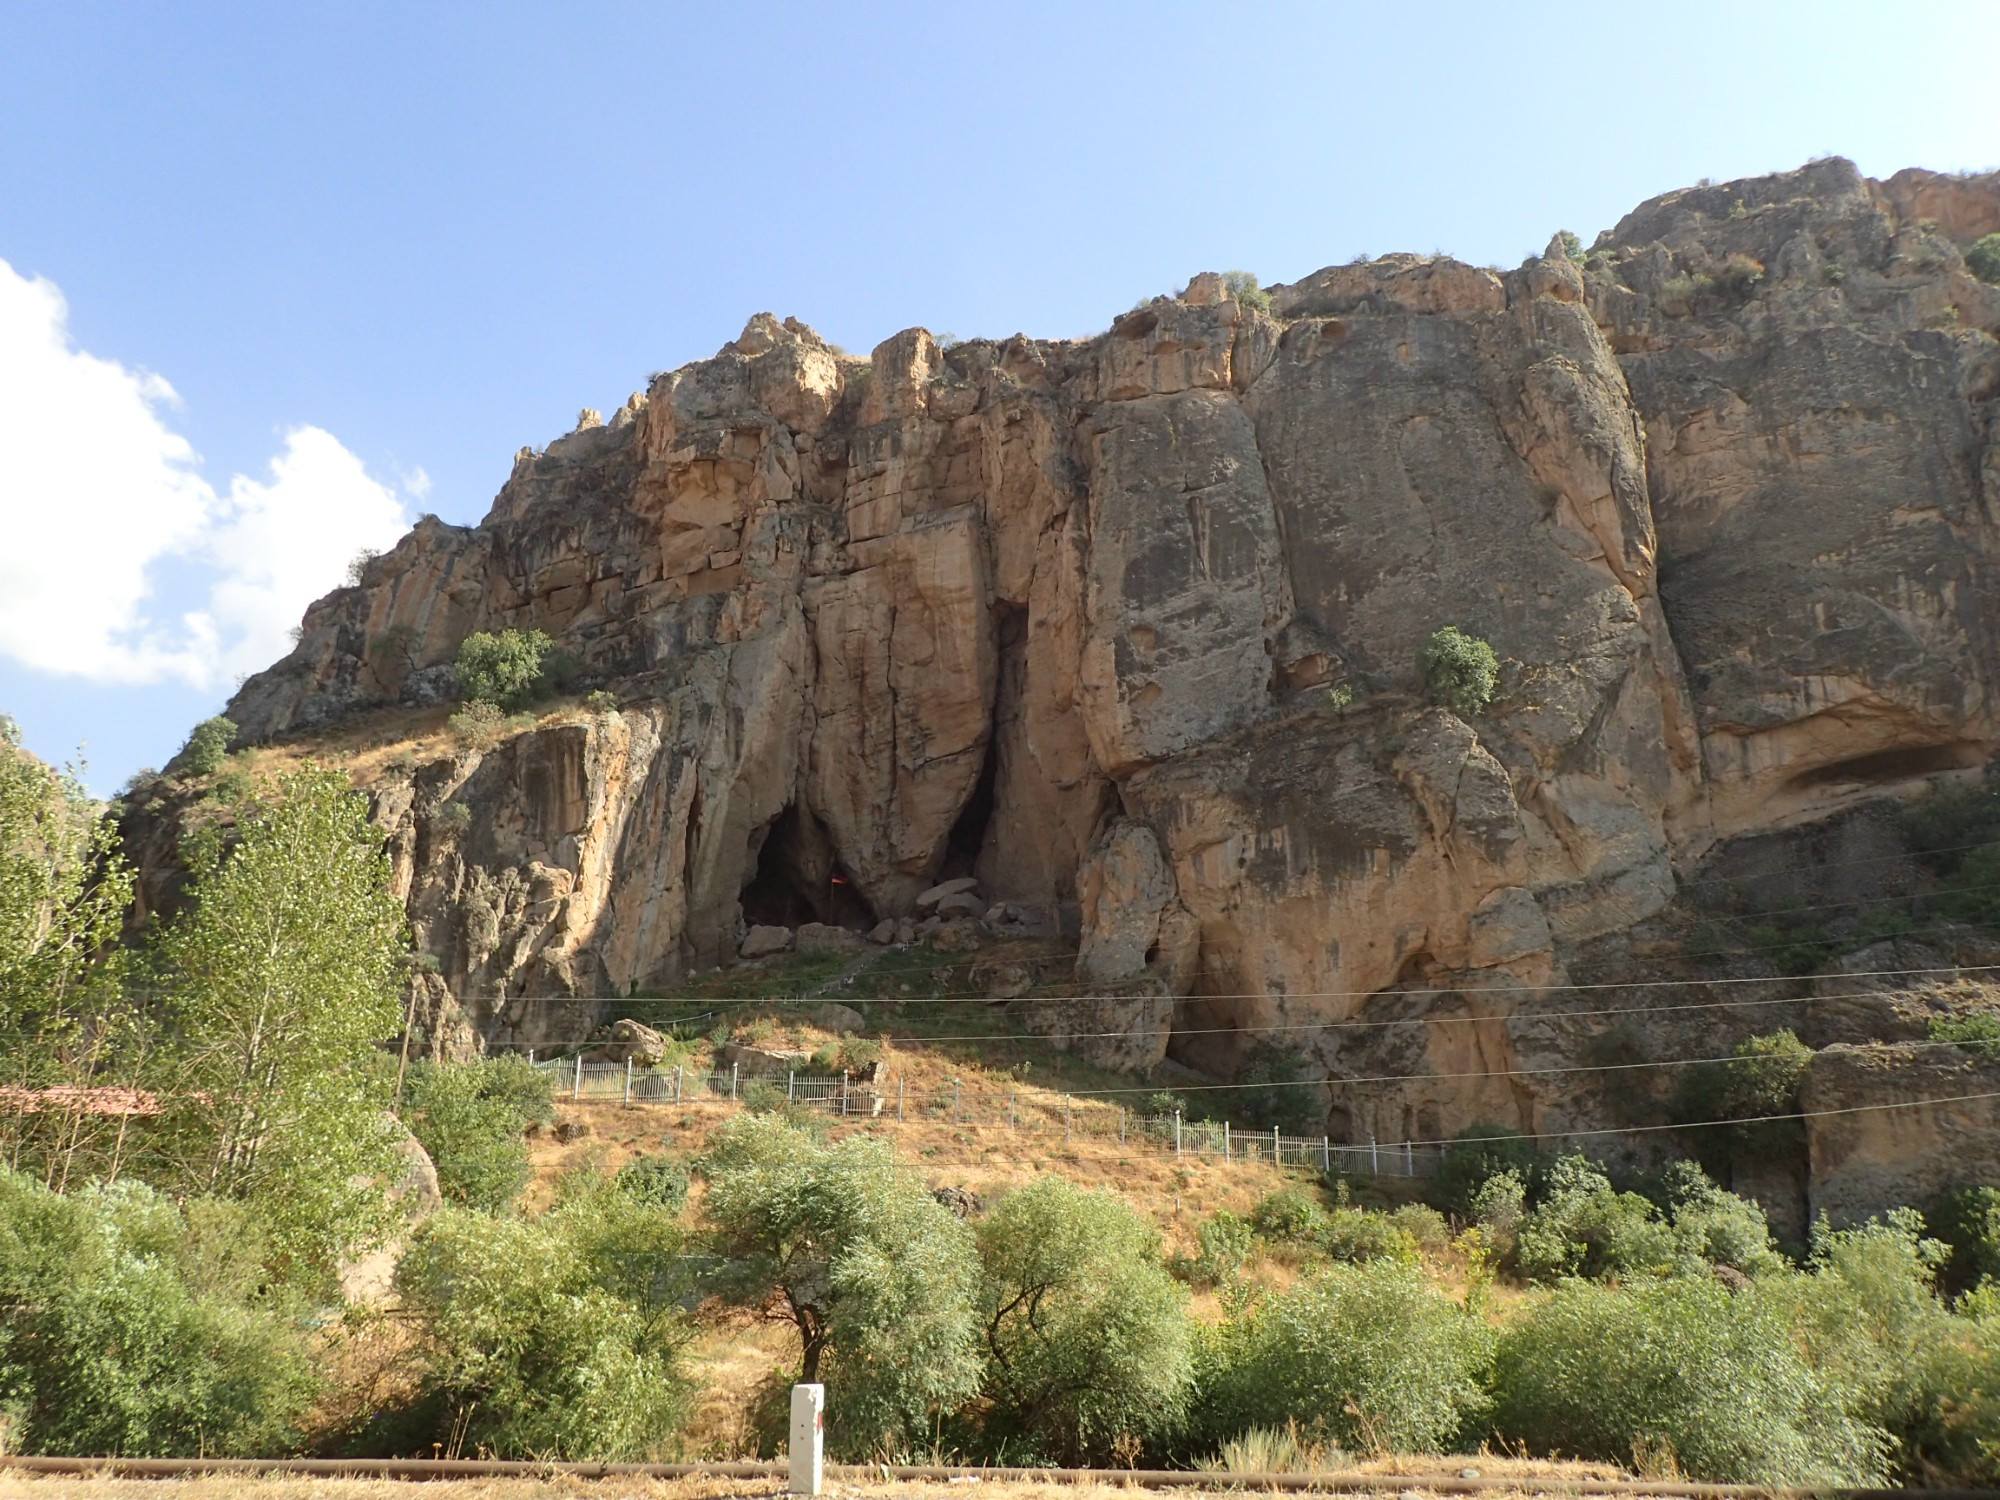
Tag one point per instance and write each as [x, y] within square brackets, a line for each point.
[808, 1439]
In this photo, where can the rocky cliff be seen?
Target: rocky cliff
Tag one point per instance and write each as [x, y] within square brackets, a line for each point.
[1071, 617]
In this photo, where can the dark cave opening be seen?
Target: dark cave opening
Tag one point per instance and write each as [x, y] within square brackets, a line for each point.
[967, 838]
[797, 878]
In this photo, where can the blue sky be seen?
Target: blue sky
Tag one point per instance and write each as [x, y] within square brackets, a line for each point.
[278, 277]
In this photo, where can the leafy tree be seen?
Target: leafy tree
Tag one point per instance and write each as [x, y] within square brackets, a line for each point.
[1681, 1373]
[206, 749]
[1087, 1337]
[1968, 1220]
[1371, 1357]
[657, 1180]
[283, 972]
[1762, 1079]
[471, 1118]
[507, 670]
[1460, 671]
[1713, 1227]
[1223, 1244]
[554, 1337]
[852, 1250]
[1983, 259]
[1289, 1216]
[131, 1326]
[63, 892]
[1478, 1153]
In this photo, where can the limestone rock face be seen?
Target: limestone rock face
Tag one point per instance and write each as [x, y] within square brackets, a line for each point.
[1126, 629]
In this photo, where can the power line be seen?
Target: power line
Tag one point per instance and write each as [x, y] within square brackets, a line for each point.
[1461, 989]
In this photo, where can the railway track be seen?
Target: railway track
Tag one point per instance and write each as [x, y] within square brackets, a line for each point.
[420, 1469]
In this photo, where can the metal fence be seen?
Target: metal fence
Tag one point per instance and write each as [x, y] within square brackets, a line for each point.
[1044, 1114]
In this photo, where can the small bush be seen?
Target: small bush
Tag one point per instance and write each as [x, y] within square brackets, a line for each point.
[1585, 1227]
[598, 701]
[357, 565]
[1572, 244]
[1476, 1154]
[1460, 671]
[1244, 288]
[1370, 1357]
[206, 750]
[658, 1181]
[1977, 1032]
[453, 818]
[1677, 1375]
[1357, 1235]
[1983, 259]
[508, 670]
[1224, 1243]
[1290, 1216]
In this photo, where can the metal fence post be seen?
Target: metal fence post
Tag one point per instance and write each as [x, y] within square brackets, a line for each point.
[628, 1080]
[1409, 1160]
[1277, 1153]
[576, 1088]
[732, 1080]
[678, 1067]
[1374, 1156]
[1326, 1153]
[1177, 1132]
[1225, 1140]
[899, 1099]
[531, 1057]
[791, 1082]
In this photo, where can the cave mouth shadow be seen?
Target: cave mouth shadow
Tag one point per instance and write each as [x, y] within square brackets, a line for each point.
[796, 877]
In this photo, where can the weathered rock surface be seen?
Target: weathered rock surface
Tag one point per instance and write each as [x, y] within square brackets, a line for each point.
[1060, 620]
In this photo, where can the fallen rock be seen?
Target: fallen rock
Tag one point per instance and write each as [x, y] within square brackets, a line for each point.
[762, 942]
[754, 1059]
[571, 1130]
[883, 932]
[824, 937]
[930, 898]
[841, 1020]
[959, 935]
[961, 904]
[628, 1041]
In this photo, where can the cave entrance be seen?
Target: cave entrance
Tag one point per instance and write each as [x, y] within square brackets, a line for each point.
[963, 845]
[796, 877]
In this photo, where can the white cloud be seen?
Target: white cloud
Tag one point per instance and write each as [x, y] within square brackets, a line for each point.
[97, 491]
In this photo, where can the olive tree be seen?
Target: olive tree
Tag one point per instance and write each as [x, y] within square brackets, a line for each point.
[1087, 1336]
[506, 669]
[850, 1249]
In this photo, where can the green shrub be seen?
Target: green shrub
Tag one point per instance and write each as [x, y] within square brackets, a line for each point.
[1572, 244]
[206, 749]
[1715, 1227]
[1289, 1216]
[1244, 288]
[1761, 1079]
[454, 817]
[1677, 1375]
[1977, 1032]
[598, 701]
[471, 1117]
[557, 1337]
[1476, 1154]
[1983, 259]
[657, 1180]
[129, 1325]
[508, 670]
[1362, 1234]
[1460, 671]
[1088, 1338]
[1370, 1357]
[1224, 1242]
[1951, 1432]
[1585, 1227]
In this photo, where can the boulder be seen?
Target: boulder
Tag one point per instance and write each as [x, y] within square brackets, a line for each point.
[961, 904]
[883, 932]
[628, 1041]
[959, 935]
[841, 1020]
[928, 900]
[762, 942]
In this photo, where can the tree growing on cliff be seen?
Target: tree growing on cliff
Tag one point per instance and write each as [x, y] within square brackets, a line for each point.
[508, 670]
[1983, 259]
[1460, 671]
[206, 749]
[283, 973]
[848, 1247]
